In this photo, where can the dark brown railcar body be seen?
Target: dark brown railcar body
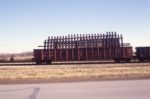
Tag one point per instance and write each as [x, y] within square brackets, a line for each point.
[42, 55]
[143, 53]
[87, 47]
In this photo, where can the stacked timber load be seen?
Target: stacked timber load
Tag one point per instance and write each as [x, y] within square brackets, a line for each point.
[108, 40]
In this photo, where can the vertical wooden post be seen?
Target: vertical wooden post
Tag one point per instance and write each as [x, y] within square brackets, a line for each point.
[83, 47]
[48, 48]
[86, 46]
[42, 55]
[100, 46]
[115, 46]
[71, 42]
[55, 48]
[109, 39]
[98, 41]
[104, 47]
[66, 47]
[112, 44]
[92, 45]
[50, 51]
[95, 47]
[123, 52]
[112, 39]
[51, 43]
[89, 47]
[62, 48]
[45, 44]
[78, 47]
[149, 51]
[48, 40]
[73, 47]
[60, 45]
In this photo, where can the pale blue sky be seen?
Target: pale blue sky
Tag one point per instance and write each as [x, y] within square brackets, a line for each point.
[24, 24]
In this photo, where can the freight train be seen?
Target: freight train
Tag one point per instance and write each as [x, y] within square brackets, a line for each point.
[88, 47]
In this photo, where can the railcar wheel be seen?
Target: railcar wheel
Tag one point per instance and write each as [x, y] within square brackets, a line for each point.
[141, 60]
[38, 62]
[128, 60]
[117, 60]
[49, 62]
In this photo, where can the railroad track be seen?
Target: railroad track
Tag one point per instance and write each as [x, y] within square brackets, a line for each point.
[27, 63]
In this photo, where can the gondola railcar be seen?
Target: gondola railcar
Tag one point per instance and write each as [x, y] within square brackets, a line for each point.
[143, 53]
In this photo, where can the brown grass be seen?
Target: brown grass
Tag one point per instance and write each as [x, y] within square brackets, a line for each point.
[96, 71]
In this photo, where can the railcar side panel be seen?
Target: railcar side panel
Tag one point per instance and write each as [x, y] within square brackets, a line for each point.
[143, 53]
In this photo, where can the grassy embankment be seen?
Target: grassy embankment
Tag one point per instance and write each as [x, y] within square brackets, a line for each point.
[75, 72]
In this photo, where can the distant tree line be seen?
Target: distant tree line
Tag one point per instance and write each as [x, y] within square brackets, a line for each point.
[11, 57]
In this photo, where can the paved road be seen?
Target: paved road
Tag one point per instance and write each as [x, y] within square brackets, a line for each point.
[129, 89]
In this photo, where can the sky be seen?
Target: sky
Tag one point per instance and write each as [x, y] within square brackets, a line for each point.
[25, 24]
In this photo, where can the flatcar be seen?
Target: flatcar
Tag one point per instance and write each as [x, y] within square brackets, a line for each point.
[84, 47]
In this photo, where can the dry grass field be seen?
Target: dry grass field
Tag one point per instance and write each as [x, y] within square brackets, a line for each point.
[75, 72]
